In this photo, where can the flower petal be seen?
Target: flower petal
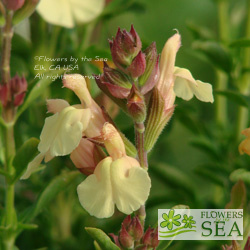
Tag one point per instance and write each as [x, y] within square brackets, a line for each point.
[203, 91]
[95, 192]
[32, 166]
[167, 62]
[85, 10]
[130, 185]
[83, 157]
[77, 83]
[56, 12]
[186, 86]
[66, 12]
[56, 105]
[62, 131]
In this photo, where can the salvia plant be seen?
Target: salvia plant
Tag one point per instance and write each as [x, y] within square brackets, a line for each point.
[111, 174]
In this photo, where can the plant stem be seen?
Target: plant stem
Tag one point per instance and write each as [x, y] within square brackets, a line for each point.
[7, 33]
[10, 213]
[6, 47]
[142, 156]
[222, 78]
[9, 141]
[139, 139]
[244, 82]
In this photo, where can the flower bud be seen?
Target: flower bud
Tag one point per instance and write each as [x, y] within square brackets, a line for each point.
[136, 105]
[137, 66]
[115, 90]
[141, 247]
[151, 75]
[155, 241]
[150, 238]
[116, 239]
[27, 9]
[14, 91]
[18, 87]
[136, 229]
[124, 47]
[115, 77]
[147, 237]
[127, 221]
[125, 238]
[13, 4]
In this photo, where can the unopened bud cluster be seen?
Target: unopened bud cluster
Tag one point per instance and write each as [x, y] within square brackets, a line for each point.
[132, 236]
[136, 74]
[14, 91]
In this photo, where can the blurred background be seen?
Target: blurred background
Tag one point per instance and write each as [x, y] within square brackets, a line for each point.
[196, 160]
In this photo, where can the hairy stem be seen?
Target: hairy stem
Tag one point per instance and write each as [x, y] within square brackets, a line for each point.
[8, 114]
[7, 33]
[10, 213]
[139, 139]
[142, 157]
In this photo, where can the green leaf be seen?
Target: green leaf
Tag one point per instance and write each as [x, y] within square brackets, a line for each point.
[97, 247]
[240, 174]
[199, 32]
[243, 42]
[173, 176]
[233, 96]
[102, 239]
[24, 156]
[207, 146]
[210, 175]
[57, 185]
[23, 226]
[216, 54]
[38, 89]
[238, 196]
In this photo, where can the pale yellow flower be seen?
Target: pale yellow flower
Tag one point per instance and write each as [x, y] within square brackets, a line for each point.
[244, 146]
[67, 13]
[118, 181]
[61, 134]
[63, 131]
[176, 81]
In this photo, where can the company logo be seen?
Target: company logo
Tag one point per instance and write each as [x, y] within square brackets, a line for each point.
[200, 224]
